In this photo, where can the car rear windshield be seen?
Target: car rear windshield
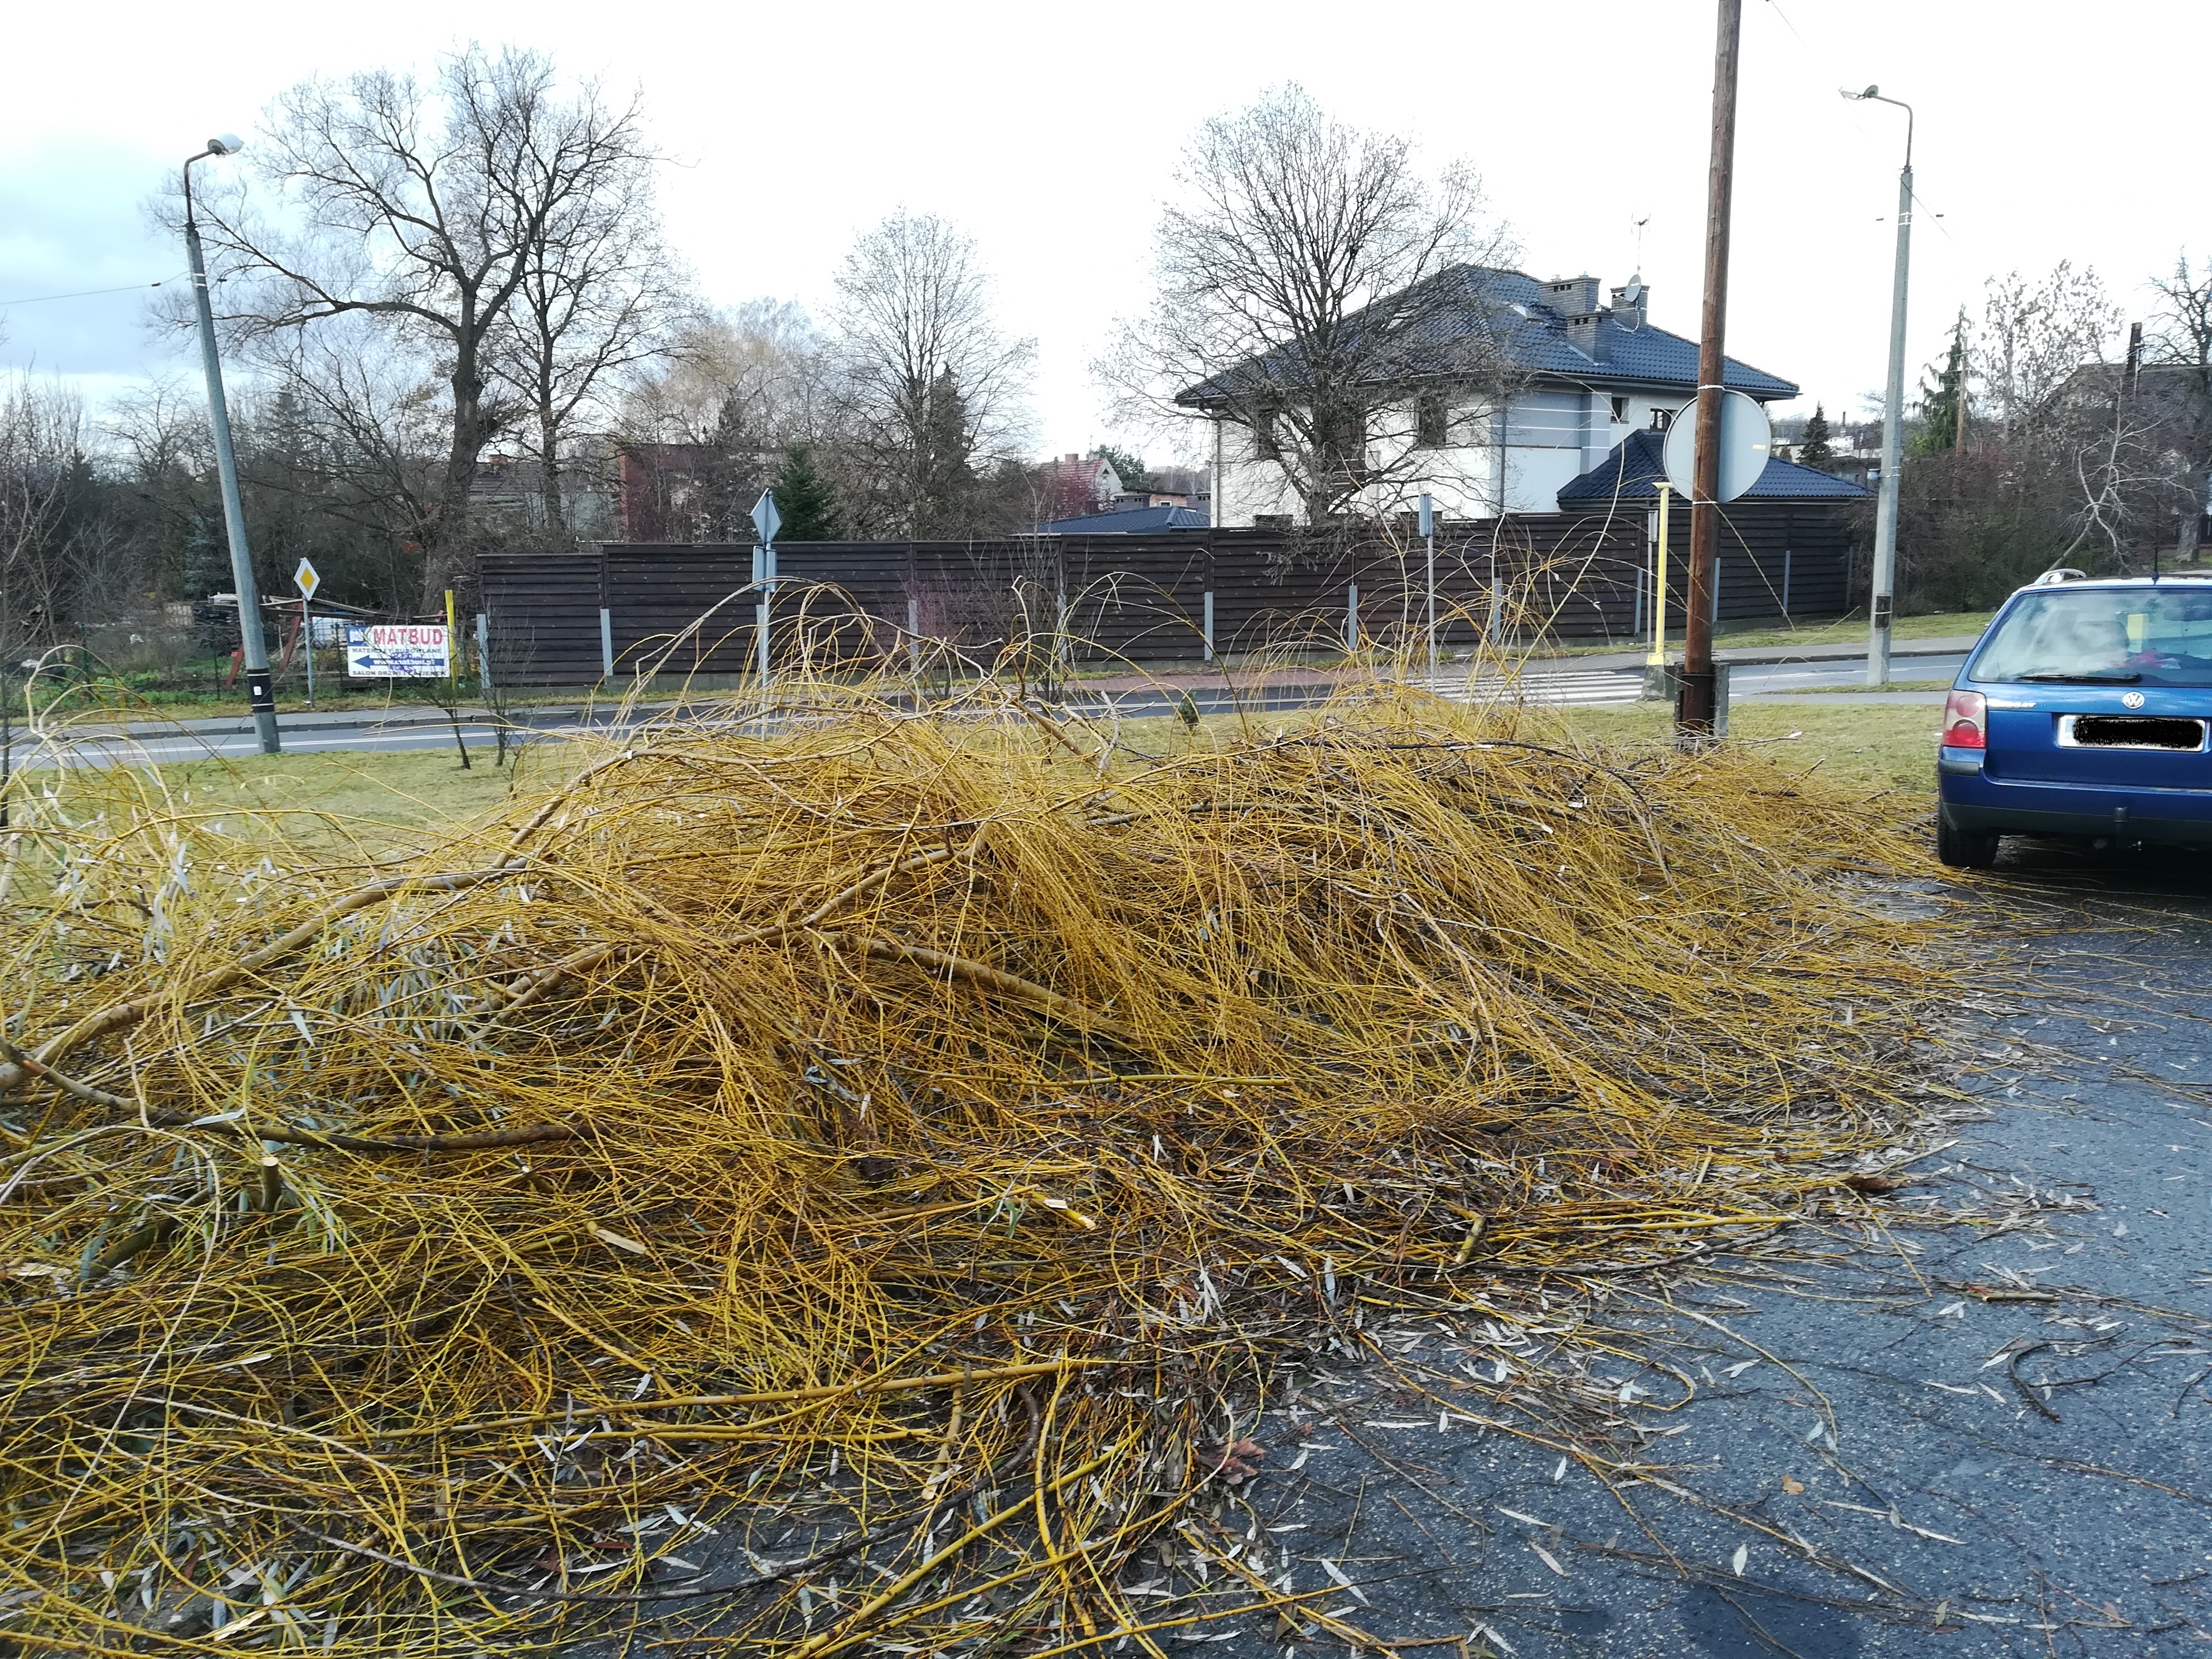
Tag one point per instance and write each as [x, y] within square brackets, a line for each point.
[2132, 635]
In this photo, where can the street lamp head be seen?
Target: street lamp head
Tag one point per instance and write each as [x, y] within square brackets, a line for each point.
[225, 144]
[1859, 97]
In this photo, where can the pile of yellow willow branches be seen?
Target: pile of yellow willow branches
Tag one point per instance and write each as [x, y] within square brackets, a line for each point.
[909, 1126]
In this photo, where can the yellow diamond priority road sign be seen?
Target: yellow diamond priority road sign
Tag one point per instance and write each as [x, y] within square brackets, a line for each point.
[306, 580]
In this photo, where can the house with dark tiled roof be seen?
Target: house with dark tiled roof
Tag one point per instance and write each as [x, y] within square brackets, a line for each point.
[1583, 377]
[1632, 472]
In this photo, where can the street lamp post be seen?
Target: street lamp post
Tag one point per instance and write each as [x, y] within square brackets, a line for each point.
[1881, 600]
[255, 649]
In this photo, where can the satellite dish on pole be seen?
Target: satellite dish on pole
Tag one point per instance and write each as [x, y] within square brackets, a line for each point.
[1746, 443]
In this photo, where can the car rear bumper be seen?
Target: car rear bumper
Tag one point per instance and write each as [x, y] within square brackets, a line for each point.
[1974, 802]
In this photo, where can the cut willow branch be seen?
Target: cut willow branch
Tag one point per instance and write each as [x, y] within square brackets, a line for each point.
[122, 1015]
[982, 975]
[525, 1134]
[534, 986]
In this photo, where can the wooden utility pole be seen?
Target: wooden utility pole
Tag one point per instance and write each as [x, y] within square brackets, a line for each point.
[1694, 704]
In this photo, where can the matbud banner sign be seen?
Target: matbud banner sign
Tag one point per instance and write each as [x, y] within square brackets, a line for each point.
[398, 651]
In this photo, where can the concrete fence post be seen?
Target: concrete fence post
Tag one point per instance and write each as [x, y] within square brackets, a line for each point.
[1209, 625]
[606, 643]
[1351, 617]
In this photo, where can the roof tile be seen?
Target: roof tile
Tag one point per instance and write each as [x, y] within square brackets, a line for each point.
[1640, 459]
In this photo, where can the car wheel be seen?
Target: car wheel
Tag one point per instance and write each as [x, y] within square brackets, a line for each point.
[1963, 849]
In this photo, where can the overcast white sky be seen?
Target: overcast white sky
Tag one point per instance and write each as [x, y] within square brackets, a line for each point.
[1050, 133]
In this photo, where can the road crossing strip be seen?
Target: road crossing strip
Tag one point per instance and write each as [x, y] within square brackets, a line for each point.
[1589, 687]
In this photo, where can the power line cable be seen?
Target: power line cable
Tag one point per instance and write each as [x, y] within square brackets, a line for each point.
[85, 293]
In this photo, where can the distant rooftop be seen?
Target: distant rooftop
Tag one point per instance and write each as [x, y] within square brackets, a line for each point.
[1130, 521]
[1554, 330]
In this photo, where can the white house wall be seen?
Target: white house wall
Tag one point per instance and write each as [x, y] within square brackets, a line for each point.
[1551, 437]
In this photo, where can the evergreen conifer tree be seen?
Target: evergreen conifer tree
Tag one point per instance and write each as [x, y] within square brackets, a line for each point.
[805, 498]
[1816, 450]
[207, 557]
[1943, 399]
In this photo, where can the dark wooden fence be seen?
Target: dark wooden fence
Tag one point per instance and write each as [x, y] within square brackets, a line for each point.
[678, 608]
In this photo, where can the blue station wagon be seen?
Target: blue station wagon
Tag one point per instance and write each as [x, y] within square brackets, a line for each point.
[2082, 712]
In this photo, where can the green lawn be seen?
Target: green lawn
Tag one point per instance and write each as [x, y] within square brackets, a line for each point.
[1883, 745]
[109, 700]
[349, 803]
[336, 803]
[1852, 630]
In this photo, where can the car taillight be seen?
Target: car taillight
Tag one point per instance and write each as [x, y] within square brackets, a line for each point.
[1966, 720]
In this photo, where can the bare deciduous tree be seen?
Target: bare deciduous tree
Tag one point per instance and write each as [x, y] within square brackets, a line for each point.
[929, 391]
[58, 556]
[2063, 405]
[2182, 339]
[600, 294]
[2034, 339]
[703, 425]
[428, 209]
[761, 365]
[375, 422]
[1307, 295]
[55, 547]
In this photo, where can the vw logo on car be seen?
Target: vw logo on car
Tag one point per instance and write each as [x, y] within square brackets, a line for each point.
[2132, 700]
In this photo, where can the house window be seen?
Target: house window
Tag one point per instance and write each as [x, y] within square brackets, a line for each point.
[1620, 409]
[1432, 419]
[1263, 435]
[1661, 419]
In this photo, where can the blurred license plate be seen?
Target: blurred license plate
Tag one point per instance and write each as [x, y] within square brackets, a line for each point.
[2131, 732]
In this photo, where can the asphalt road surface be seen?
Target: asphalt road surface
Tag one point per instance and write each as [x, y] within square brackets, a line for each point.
[1989, 1438]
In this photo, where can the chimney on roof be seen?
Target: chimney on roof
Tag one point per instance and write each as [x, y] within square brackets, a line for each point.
[1573, 296]
[1585, 337]
[1630, 300]
[1574, 299]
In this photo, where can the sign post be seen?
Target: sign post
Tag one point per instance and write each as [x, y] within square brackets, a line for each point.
[766, 522]
[1696, 701]
[1743, 442]
[1429, 540]
[307, 581]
